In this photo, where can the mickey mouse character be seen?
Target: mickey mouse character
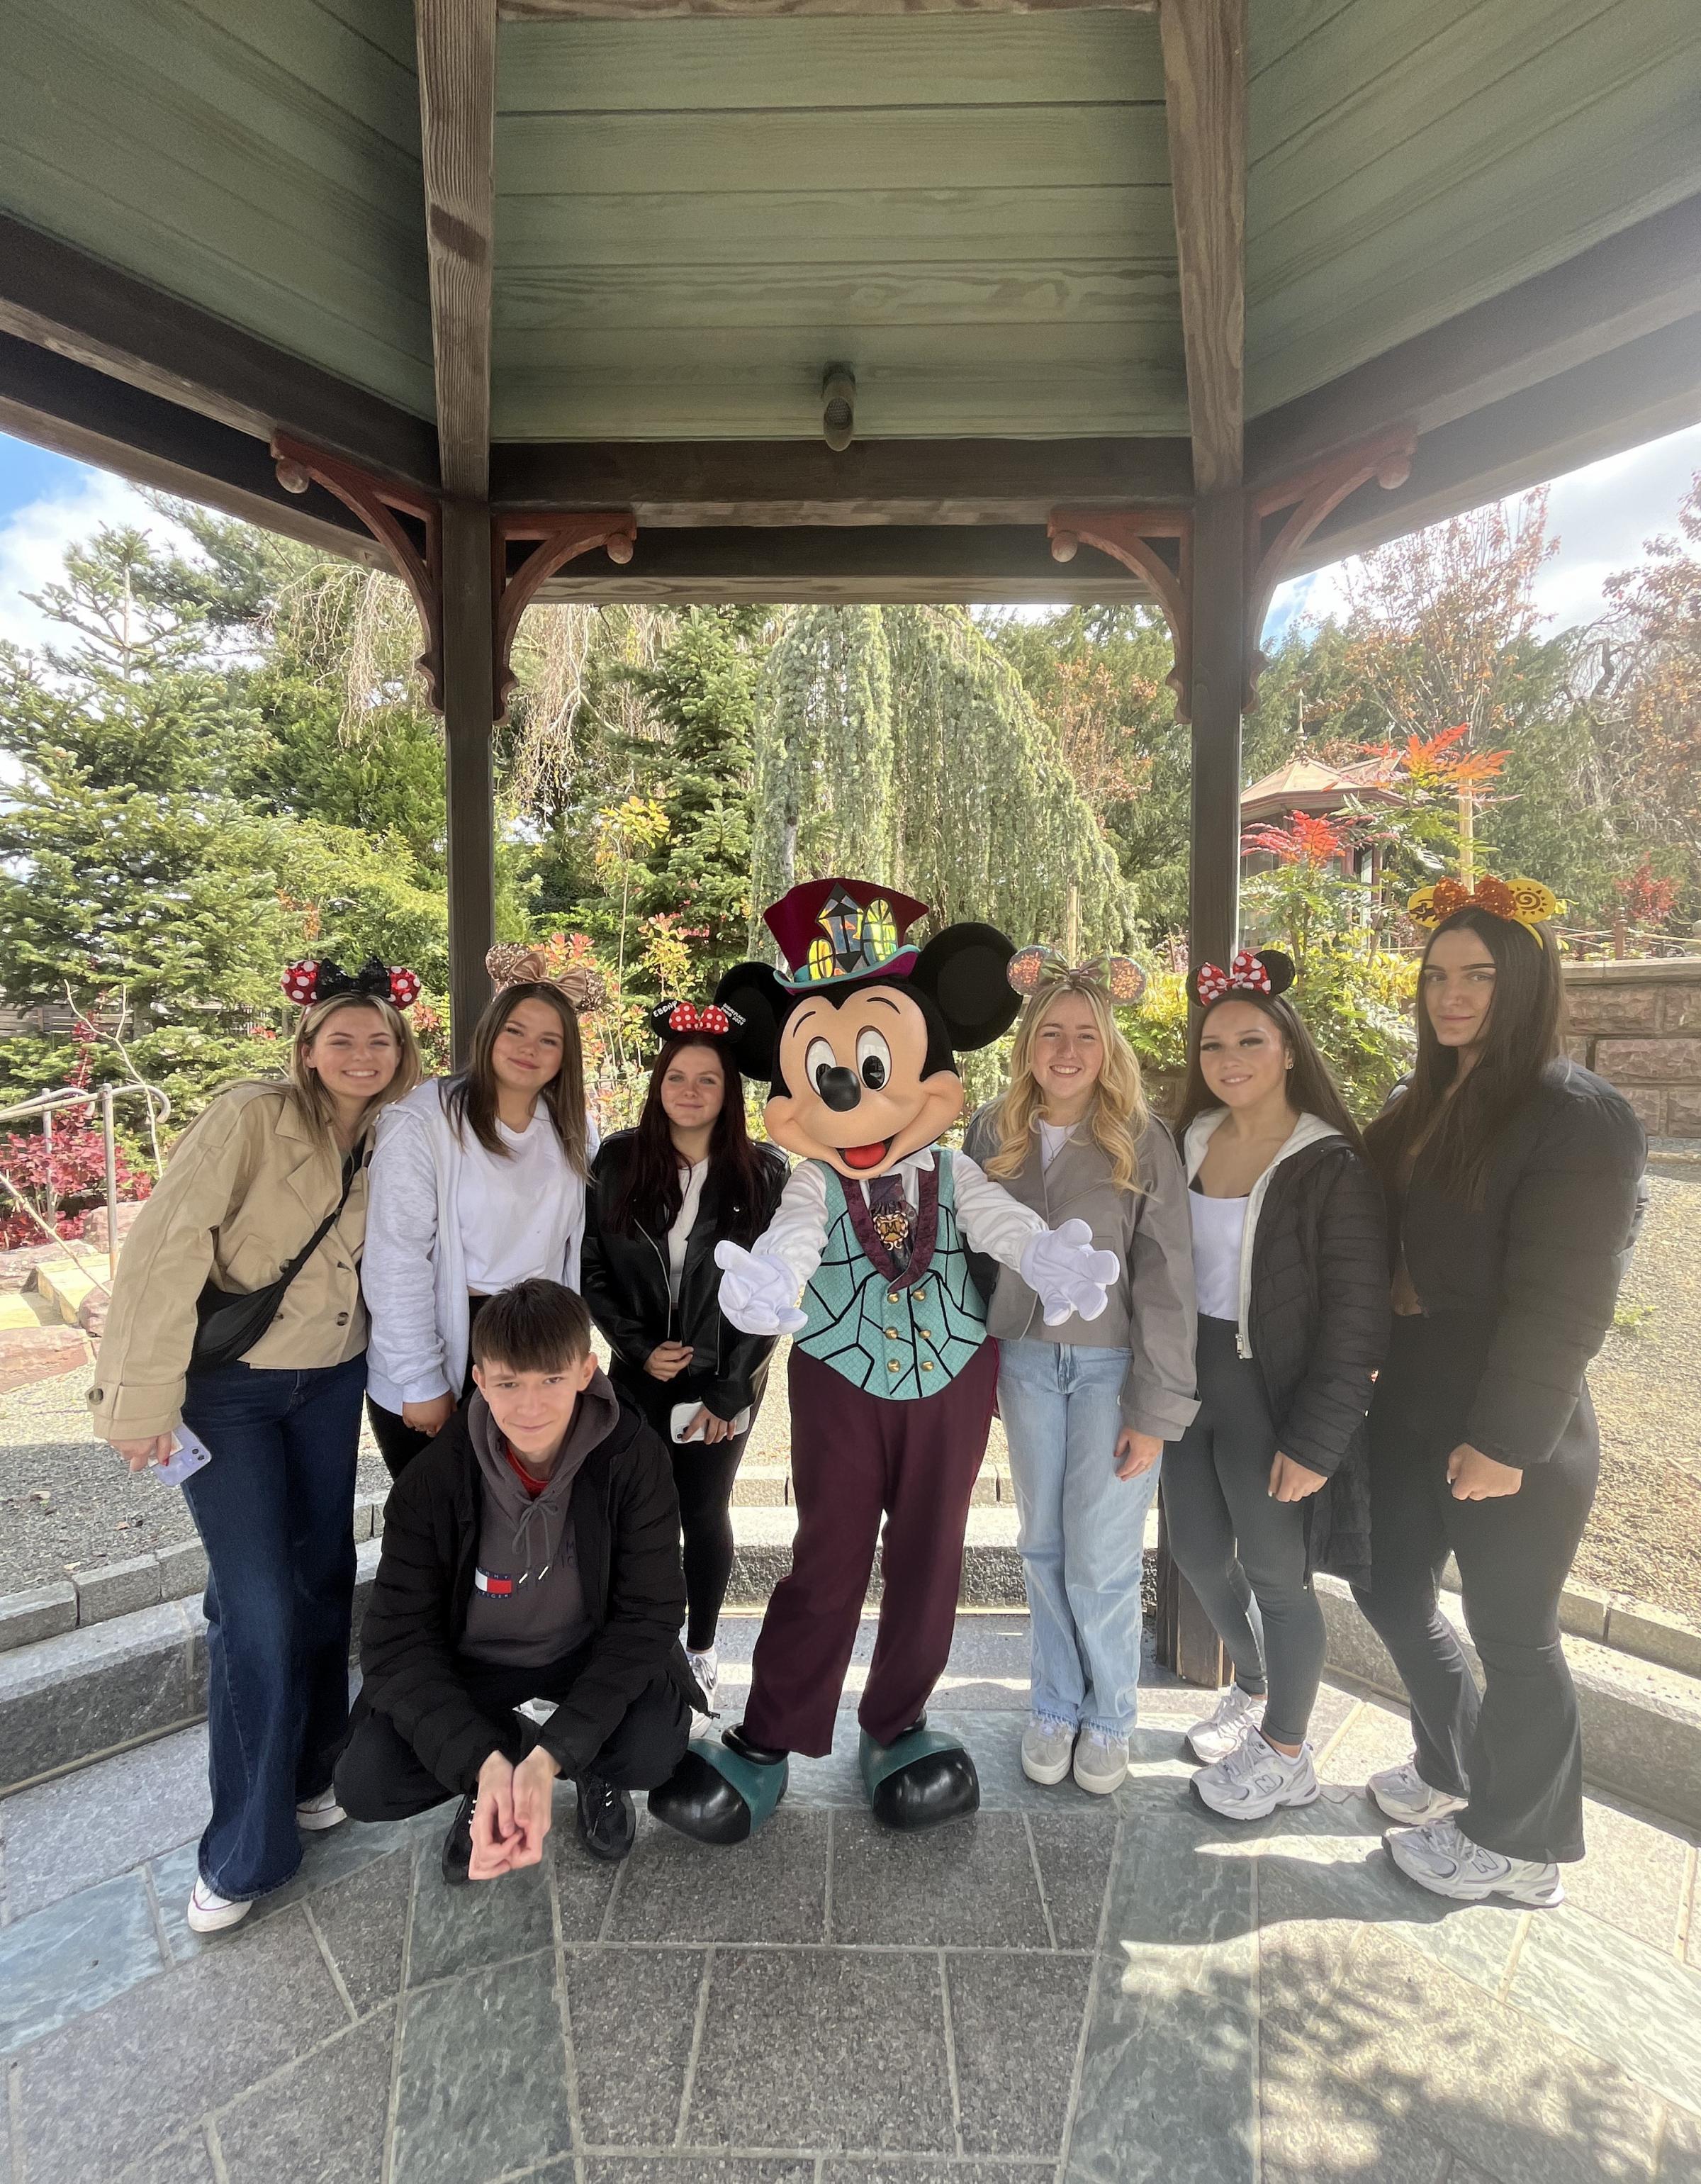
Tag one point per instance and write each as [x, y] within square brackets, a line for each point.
[892, 1378]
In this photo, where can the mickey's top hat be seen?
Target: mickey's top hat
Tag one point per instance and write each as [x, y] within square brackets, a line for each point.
[834, 930]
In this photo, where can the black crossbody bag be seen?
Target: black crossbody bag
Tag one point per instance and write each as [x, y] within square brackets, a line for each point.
[229, 1322]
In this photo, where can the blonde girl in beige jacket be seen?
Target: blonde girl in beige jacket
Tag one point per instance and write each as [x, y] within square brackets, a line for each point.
[247, 1188]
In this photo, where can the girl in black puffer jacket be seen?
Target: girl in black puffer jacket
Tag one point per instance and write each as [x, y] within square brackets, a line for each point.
[662, 1196]
[1289, 1263]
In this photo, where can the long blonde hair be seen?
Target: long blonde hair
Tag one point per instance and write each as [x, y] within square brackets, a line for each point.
[1118, 1116]
[312, 1100]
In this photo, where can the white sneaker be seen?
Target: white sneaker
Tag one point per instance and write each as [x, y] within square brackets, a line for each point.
[1101, 1761]
[1047, 1747]
[1442, 1858]
[1219, 1732]
[1255, 1778]
[706, 1668]
[322, 1811]
[209, 1913]
[1403, 1794]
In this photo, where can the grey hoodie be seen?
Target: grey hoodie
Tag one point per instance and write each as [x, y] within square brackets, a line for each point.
[527, 1607]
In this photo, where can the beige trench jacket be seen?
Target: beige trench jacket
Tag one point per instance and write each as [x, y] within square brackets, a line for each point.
[245, 1188]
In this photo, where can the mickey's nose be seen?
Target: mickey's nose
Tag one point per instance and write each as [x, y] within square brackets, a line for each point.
[840, 1088]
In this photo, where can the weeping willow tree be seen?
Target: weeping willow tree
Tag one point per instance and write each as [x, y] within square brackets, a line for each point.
[896, 743]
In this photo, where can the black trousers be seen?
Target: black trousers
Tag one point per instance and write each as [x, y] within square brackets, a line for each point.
[702, 1472]
[380, 1776]
[1516, 1750]
[399, 1443]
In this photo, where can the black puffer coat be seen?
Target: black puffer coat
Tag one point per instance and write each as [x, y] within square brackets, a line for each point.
[1318, 1324]
[1536, 1265]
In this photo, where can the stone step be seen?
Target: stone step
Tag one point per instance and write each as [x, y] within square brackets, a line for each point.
[65, 1284]
[38, 1352]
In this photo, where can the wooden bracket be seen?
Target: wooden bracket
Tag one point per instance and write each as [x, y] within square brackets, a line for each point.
[381, 504]
[1302, 502]
[1131, 536]
[560, 539]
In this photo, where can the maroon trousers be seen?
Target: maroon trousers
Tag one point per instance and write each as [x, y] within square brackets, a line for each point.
[856, 1458]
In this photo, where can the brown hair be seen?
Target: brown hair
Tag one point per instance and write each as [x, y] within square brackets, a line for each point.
[470, 1099]
[535, 1327]
[653, 1192]
[1311, 1089]
[1457, 1135]
[312, 1100]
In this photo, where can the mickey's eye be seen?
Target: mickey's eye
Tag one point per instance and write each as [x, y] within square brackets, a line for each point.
[818, 1059]
[873, 1059]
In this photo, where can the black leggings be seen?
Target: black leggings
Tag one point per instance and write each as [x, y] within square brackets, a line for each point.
[703, 1476]
[1516, 1752]
[1234, 1544]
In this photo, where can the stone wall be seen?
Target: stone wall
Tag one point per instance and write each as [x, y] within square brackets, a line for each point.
[1638, 1024]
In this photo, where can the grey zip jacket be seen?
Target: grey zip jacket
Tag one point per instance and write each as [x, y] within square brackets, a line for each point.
[1151, 1312]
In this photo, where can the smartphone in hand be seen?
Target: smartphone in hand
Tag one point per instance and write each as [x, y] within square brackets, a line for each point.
[190, 1455]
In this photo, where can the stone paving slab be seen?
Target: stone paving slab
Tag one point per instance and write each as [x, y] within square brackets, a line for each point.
[1062, 1987]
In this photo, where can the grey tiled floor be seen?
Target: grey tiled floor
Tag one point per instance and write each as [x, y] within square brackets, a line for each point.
[1062, 1988]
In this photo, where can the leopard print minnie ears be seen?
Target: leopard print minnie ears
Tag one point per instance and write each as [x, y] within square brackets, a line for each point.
[511, 963]
[1039, 970]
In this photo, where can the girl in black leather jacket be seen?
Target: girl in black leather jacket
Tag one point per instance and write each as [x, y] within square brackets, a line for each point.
[661, 1197]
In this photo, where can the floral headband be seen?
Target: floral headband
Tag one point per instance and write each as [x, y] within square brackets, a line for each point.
[1040, 969]
[1268, 971]
[1520, 902]
[712, 1020]
[307, 982]
[511, 963]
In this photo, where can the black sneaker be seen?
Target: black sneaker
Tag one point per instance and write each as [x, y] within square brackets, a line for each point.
[458, 1843]
[608, 1824]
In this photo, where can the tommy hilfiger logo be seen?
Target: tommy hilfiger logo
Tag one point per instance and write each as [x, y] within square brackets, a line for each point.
[496, 1583]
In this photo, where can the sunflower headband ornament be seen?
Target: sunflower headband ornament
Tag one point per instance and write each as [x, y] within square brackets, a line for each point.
[705, 1020]
[1269, 971]
[1038, 969]
[511, 963]
[1520, 902]
[307, 982]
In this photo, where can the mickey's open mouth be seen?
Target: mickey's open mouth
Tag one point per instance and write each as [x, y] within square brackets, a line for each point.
[865, 1155]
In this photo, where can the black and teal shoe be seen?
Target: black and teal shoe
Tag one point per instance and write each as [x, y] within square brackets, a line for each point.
[721, 1792]
[920, 1780]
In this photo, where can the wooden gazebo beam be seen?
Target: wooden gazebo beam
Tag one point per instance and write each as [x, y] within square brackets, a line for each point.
[657, 11]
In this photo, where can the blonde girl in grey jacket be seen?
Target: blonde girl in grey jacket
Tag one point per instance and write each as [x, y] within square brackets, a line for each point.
[1088, 1405]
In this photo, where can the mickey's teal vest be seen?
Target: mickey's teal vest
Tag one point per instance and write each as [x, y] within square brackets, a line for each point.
[902, 1336]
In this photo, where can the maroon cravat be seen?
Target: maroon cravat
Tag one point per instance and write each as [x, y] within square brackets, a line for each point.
[889, 1209]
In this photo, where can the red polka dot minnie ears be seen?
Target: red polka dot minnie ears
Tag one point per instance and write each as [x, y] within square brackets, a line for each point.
[705, 1020]
[1268, 971]
[307, 982]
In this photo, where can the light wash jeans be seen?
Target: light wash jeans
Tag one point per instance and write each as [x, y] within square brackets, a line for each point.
[1080, 1528]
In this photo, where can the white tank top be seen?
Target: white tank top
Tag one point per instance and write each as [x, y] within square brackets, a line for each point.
[1219, 1226]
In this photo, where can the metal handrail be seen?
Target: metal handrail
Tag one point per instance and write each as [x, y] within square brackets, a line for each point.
[46, 1105]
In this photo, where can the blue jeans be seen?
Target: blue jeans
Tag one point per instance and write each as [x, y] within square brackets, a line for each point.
[274, 1511]
[1080, 1528]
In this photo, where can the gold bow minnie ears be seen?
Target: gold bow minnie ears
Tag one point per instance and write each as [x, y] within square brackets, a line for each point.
[511, 963]
[1040, 969]
[1520, 902]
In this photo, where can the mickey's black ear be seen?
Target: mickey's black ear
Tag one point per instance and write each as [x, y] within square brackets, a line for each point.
[1280, 965]
[962, 969]
[753, 991]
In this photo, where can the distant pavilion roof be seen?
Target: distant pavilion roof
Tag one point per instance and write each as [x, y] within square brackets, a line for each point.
[1304, 784]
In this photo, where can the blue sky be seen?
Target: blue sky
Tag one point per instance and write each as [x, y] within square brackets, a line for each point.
[1601, 515]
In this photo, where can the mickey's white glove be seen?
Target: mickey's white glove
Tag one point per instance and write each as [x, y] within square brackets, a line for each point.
[758, 1293]
[1066, 1274]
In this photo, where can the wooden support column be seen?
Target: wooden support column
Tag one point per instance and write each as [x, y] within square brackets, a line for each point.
[1218, 681]
[469, 639]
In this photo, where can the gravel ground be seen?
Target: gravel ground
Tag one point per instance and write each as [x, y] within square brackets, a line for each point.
[65, 1501]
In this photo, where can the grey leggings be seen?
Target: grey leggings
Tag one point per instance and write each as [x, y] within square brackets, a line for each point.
[1235, 1545]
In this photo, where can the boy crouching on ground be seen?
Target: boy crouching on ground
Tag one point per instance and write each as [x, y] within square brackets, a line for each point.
[531, 1551]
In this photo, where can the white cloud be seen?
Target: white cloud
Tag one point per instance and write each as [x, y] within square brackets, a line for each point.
[33, 540]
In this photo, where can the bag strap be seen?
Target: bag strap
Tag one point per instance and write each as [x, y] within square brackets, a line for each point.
[351, 1167]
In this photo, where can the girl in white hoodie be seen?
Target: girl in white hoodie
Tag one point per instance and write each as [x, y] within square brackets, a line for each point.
[478, 1181]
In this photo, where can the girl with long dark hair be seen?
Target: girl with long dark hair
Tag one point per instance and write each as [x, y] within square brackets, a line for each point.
[478, 1182]
[1513, 1179]
[1289, 1266]
[663, 1195]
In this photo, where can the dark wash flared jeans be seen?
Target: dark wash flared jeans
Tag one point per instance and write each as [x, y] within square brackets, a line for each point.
[274, 1512]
